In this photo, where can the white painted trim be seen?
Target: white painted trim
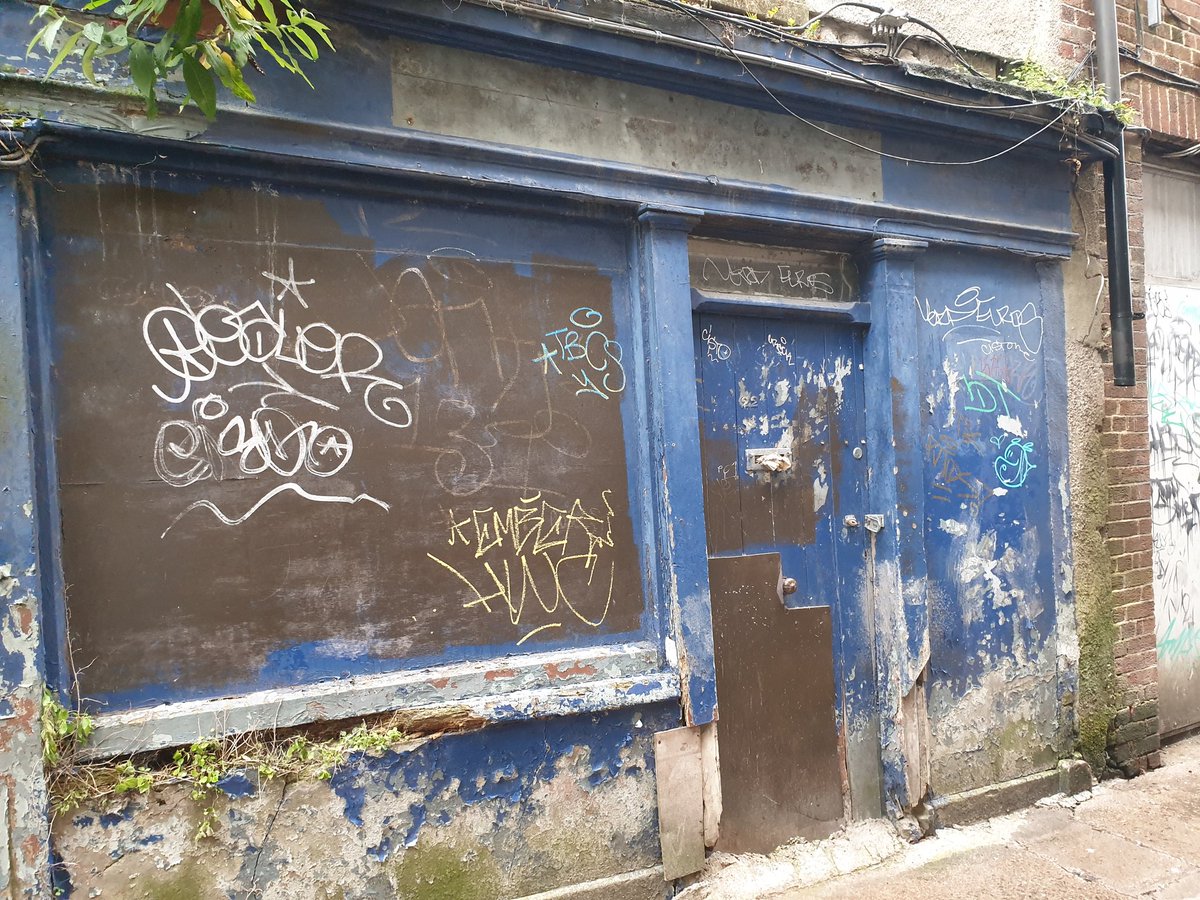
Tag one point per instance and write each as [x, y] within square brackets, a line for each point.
[534, 685]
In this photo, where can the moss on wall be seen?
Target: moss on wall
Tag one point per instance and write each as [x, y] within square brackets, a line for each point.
[188, 881]
[1096, 691]
[443, 872]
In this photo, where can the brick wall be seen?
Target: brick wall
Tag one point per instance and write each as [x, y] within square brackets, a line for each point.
[1170, 112]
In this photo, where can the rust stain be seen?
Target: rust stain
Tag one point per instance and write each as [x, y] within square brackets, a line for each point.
[440, 683]
[439, 720]
[497, 674]
[25, 713]
[556, 671]
[24, 616]
[30, 848]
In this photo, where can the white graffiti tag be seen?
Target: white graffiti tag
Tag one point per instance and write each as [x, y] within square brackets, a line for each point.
[971, 318]
[194, 341]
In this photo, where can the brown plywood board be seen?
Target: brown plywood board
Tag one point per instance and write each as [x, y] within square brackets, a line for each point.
[780, 776]
[680, 774]
[290, 451]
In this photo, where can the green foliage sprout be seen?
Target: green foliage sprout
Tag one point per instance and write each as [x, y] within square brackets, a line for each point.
[207, 42]
[1035, 77]
[64, 730]
[201, 766]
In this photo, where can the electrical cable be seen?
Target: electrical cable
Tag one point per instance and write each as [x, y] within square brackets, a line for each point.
[774, 31]
[879, 11]
[1181, 80]
[13, 159]
[735, 54]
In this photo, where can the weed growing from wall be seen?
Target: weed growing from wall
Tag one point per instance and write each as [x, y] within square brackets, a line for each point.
[1037, 78]
[201, 766]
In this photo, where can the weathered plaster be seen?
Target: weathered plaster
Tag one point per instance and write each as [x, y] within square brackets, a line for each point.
[1009, 29]
[1084, 292]
[21, 781]
[503, 812]
[1000, 729]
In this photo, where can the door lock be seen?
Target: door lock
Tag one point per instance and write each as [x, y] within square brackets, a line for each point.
[850, 521]
[769, 460]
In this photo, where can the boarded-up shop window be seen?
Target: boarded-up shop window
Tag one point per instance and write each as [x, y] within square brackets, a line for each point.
[303, 436]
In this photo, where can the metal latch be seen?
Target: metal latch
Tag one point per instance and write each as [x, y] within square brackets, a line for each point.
[850, 521]
[874, 523]
[769, 459]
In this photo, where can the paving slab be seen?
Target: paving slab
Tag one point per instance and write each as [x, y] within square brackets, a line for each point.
[1111, 860]
[1137, 838]
[1186, 888]
[991, 873]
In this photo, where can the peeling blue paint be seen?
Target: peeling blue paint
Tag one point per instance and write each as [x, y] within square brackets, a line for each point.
[500, 766]
[646, 687]
[60, 878]
[124, 814]
[236, 784]
[381, 850]
[418, 819]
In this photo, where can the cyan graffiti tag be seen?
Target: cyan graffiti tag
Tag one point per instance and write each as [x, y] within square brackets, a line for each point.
[1013, 465]
[586, 351]
[1179, 641]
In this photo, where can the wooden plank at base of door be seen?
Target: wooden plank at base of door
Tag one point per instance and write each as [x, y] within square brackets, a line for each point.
[680, 774]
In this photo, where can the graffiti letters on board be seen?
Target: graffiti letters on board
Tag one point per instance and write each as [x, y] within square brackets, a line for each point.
[537, 561]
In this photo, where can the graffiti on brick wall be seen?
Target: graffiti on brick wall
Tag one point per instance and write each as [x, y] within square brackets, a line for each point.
[1173, 330]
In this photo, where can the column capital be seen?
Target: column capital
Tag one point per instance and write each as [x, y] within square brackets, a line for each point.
[670, 218]
[895, 248]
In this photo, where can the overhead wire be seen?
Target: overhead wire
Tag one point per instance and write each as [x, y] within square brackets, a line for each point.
[735, 54]
[807, 45]
[905, 19]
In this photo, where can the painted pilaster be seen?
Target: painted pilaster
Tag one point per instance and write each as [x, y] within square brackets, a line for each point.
[1058, 453]
[675, 441]
[897, 493]
[23, 809]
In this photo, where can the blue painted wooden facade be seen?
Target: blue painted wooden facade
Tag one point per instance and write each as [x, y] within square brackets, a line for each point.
[955, 612]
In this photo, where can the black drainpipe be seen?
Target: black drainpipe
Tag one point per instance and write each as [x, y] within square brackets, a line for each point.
[1120, 291]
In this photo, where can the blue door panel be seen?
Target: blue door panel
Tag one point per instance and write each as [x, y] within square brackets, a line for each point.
[791, 384]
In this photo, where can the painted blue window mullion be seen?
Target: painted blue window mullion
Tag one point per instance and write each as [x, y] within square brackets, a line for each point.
[1050, 283]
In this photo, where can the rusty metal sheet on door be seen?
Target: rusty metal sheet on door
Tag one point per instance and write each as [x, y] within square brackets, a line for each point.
[780, 773]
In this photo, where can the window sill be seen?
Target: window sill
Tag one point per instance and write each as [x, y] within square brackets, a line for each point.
[505, 689]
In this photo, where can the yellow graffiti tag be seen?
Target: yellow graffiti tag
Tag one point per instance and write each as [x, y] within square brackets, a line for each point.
[532, 551]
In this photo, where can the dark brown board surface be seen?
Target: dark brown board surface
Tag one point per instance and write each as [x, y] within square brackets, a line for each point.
[302, 436]
[780, 776]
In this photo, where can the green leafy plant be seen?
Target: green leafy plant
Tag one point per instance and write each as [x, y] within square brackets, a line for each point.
[64, 730]
[1033, 76]
[207, 42]
[200, 766]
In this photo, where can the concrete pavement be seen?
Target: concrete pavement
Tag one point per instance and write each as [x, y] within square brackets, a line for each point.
[1138, 838]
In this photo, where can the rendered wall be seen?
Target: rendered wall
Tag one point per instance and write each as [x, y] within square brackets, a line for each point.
[504, 812]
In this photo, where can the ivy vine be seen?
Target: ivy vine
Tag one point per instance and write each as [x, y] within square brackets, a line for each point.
[207, 42]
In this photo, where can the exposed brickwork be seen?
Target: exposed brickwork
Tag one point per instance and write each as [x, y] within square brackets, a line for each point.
[1172, 113]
